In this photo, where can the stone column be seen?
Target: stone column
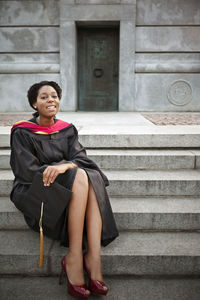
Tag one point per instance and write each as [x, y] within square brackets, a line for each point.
[127, 66]
[68, 65]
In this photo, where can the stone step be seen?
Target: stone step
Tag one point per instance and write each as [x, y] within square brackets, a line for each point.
[145, 159]
[4, 159]
[121, 288]
[153, 182]
[175, 213]
[137, 182]
[133, 159]
[132, 253]
[141, 140]
[124, 136]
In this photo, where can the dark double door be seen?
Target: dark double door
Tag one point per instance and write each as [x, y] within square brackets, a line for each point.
[98, 61]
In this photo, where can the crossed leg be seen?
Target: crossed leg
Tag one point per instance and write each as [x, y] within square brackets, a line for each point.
[76, 217]
[83, 204]
[94, 228]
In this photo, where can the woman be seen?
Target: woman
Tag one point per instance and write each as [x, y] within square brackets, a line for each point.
[47, 146]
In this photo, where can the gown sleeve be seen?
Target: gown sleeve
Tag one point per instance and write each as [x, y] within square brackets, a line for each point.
[23, 160]
[78, 155]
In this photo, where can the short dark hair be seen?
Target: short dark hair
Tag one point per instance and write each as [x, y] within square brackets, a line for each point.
[33, 92]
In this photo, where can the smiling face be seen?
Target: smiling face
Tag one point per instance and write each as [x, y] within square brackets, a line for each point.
[47, 102]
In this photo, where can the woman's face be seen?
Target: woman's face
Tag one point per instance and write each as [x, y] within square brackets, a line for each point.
[47, 102]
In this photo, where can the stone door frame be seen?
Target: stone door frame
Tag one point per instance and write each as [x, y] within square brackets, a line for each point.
[70, 14]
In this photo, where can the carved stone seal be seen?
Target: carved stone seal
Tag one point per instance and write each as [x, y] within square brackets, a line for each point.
[180, 92]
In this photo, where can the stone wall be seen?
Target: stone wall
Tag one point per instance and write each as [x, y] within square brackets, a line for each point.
[167, 55]
[165, 58]
[29, 49]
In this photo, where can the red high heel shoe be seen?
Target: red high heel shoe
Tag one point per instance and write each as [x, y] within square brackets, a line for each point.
[95, 286]
[78, 291]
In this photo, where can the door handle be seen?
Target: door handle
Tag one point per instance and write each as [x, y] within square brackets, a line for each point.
[98, 73]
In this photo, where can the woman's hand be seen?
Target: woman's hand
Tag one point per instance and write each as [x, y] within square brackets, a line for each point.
[51, 172]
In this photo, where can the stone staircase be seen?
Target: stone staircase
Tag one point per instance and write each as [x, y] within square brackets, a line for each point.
[155, 195]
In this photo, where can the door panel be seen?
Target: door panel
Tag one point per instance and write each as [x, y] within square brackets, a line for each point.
[98, 60]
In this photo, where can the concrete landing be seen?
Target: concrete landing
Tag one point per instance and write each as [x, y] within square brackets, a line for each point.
[97, 119]
[122, 130]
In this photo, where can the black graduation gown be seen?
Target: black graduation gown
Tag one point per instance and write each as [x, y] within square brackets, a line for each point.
[32, 153]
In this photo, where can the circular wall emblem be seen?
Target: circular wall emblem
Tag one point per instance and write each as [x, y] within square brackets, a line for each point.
[180, 92]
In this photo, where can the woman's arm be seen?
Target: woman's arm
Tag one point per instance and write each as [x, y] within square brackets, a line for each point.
[51, 172]
[23, 160]
[25, 163]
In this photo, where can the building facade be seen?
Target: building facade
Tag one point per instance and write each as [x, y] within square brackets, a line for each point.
[108, 55]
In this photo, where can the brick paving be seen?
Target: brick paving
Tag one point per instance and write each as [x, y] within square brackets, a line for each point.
[10, 119]
[173, 118]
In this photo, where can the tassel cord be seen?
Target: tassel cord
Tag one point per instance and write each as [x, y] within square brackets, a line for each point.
[41, 237]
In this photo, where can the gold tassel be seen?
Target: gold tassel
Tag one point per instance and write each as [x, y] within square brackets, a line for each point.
[41, 237]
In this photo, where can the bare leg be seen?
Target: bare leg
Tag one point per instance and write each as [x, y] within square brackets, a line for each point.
[76, 216]
[94, 228]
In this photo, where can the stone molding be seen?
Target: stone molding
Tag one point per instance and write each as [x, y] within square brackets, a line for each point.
[99, 2]
[21, 68]
[164, 67]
